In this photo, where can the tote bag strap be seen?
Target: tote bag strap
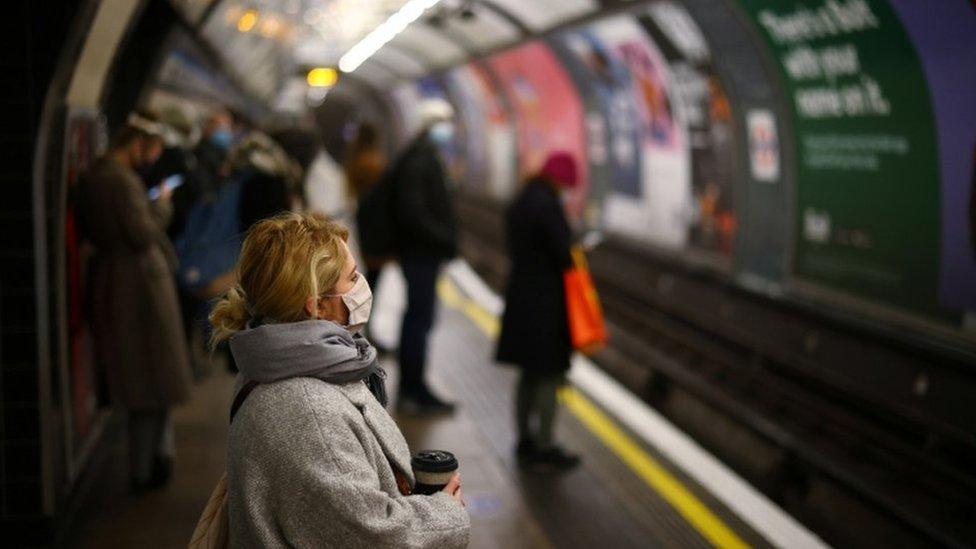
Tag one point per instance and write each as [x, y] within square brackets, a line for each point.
[240, 397]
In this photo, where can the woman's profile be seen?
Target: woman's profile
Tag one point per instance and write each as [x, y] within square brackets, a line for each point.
[314, 459]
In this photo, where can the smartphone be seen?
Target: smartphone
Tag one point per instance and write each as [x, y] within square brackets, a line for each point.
[169, 184]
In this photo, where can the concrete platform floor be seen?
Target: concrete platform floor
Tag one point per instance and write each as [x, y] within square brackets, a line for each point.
[603, 503]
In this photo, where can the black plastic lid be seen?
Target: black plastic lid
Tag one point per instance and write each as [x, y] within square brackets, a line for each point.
[434, 461]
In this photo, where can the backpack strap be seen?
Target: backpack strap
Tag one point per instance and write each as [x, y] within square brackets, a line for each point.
[240, 397]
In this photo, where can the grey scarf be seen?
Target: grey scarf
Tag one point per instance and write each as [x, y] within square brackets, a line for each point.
[312, 348]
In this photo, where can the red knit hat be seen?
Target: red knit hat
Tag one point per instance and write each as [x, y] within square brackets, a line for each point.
[560, 168]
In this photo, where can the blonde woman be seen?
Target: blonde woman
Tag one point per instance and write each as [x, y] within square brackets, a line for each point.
[314, 459]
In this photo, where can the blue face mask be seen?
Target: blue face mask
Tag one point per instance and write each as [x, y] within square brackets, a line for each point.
[222, 138]
[442, 132]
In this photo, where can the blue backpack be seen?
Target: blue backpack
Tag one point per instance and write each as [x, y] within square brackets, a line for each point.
[211, 239]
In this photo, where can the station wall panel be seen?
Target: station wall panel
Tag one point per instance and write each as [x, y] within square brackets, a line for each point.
[549, 113]
[487, 128]
[801, 161]
[884, 141]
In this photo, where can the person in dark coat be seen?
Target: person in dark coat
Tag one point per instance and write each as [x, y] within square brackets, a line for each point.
[135, 311]
[535, 330]
[426, 237]
[363, 166]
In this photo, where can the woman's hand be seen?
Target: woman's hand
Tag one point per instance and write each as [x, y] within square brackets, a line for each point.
[453, 489]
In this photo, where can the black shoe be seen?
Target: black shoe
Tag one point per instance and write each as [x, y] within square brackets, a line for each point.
[162, 471]
[524, 451]
[554, 458]
[423, 404]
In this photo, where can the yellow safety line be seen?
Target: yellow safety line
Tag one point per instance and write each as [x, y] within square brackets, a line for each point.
[648, 469]
[451, 296]
[643, 465]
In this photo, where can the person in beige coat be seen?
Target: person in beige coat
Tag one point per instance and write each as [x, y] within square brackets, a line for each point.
[135, 312]
[314, 459]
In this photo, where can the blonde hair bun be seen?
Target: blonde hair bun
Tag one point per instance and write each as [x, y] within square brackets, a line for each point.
[284, 260]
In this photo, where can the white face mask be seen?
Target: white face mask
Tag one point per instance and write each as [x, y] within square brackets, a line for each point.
[442, 132]
[359, 301]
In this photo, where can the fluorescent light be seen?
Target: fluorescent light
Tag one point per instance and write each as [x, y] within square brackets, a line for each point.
[378, 37]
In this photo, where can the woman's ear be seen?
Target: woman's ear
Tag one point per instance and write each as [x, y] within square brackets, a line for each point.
[312, 307]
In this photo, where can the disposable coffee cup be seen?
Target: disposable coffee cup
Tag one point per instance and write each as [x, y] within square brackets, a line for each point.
[433, 470]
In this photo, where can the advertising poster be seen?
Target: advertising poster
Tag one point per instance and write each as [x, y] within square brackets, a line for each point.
[490, 136]
[82, 145]
[549, 113]
[708, 115]
[946, 49]
[764, 157]
[471, 124]
[659, 208]
[868, 174]
[611, 125]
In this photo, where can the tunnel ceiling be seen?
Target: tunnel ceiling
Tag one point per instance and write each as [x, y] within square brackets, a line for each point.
[270, 42]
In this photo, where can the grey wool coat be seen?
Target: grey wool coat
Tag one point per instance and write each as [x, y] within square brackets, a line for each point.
[309, 466]
[138, 330]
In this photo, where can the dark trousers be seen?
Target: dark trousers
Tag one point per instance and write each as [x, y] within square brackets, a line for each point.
[535, 399]
[421, 276]
[150, 437]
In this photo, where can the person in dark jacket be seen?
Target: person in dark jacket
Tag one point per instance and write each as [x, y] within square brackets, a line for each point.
[426, 237]
[363, 166]
[535, 330]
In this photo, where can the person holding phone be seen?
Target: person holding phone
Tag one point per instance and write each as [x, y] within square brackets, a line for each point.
[166, 187]
[136, 318]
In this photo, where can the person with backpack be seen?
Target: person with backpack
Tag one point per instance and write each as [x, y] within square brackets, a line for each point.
[138, 332]
[314, 459]
[426, 236]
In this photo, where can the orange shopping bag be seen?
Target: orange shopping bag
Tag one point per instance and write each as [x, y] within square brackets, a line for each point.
[587, 328]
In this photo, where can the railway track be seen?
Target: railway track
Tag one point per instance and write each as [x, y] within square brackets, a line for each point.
[747, 377]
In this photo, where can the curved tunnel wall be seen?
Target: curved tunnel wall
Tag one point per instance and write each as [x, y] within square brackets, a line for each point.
[821, 150]
[786, 147]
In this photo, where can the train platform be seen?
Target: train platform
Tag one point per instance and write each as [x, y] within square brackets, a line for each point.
[642, 483]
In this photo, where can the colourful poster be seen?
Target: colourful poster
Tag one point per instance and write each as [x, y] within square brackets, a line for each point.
[611, 124]
[868, 173]
[487, 126]
[549, 113]
[708, 116]
[658, 209]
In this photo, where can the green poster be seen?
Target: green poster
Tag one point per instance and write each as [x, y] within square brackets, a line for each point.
[867, 198]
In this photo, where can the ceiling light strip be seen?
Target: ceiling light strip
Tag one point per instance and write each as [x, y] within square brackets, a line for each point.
[381, 35]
